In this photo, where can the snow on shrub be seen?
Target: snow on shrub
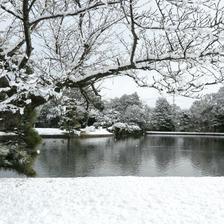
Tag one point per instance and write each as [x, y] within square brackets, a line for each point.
[123, 130]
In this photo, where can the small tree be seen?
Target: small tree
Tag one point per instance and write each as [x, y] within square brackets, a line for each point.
[185, 121]
[162, 119]
[218, 111]
[127, 109]
[136, 114]
[70, 111]
[202, 113]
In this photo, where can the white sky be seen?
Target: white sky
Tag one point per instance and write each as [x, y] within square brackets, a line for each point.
[116, 87]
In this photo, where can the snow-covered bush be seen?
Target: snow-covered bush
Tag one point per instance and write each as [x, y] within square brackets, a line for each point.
[122, 130]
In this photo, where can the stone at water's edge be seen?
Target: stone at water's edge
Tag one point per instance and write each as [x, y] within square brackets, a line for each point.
[14, 157]
[3, 150]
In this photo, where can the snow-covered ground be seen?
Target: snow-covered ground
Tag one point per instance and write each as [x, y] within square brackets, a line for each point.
[2, 133]
[185, 133]
[108, 200]
[50, 131]
[41, 131]
[92, 131]
[86, 132]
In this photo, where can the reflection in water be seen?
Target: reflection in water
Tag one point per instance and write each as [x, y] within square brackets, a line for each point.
[146, 156]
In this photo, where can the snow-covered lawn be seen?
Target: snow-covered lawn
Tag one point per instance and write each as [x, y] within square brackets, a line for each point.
[86, 132]
[107, 200]
[50, 131]
[92, 131]
[41, 131]
[2, 133]
[184, 133]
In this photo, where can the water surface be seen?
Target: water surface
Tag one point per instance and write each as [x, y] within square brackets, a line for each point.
[146, 156]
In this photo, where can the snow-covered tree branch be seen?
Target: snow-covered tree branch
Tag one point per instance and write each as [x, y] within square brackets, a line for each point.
[50, 45]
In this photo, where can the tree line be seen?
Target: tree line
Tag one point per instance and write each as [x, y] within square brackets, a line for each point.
[205, 115]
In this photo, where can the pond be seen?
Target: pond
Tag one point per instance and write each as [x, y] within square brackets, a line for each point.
[146, 156]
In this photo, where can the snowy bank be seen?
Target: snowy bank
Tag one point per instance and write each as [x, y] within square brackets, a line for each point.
[2, 133]
[119, 200]
[184, 133]
[91, 131]
[50, 131]
[41, 131]
[123, 130]
[58, 133]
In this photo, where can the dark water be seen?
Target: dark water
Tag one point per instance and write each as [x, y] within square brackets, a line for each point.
[146, 156]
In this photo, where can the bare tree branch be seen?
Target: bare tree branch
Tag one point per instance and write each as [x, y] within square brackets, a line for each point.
[78, 12]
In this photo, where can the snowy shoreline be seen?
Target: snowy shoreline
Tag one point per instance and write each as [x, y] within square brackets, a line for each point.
[58, 133]
[184, 133]
[120, 200]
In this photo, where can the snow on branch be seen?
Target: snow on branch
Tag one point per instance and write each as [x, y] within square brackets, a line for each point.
[74, 13]
[176, 46]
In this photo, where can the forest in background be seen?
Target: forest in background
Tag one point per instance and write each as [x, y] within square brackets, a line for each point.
[205, 115]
